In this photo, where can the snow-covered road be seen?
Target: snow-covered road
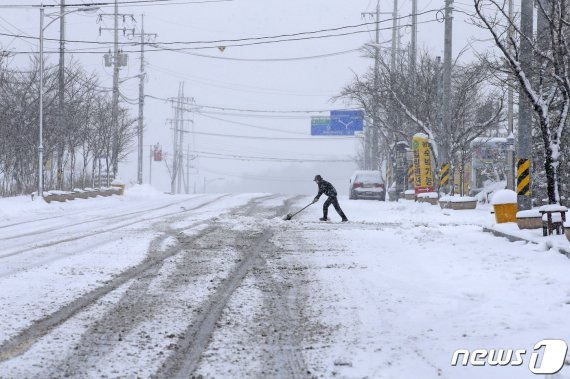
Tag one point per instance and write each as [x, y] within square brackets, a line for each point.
[150, 285]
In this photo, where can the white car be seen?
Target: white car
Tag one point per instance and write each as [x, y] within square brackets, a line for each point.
[366, 185]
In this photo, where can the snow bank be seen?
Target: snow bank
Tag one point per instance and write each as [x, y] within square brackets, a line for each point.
[428, 195]
[457, 199]
[489, 188]
[142, 190]
[19, 206]
[504, 197]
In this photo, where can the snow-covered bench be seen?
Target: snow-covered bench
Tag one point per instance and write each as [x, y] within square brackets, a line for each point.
[553, 218]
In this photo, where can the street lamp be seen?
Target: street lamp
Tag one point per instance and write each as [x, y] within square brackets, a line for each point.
[54, 17]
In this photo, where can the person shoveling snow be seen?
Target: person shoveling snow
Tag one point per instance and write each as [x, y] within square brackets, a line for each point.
[328, 189]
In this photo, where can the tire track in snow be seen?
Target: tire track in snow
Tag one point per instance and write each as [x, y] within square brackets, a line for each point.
[101, 335]
[22, 341]
[107, 230]
[121, 216]
[196, 338]
[66, 215]
[184, 362]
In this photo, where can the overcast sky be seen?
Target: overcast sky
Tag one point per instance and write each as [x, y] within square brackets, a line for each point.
[266, 85]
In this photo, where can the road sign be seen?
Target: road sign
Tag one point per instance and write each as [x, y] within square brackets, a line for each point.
[347, 122]
[421, 152]
[340, 123]
[320, 126]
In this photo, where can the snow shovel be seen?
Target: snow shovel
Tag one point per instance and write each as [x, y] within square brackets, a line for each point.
[291, 215]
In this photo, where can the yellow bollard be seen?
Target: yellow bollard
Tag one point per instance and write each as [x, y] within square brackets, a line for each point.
[505, 213]
[505, 205]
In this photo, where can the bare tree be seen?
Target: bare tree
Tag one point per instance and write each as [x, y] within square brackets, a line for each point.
[549, 91]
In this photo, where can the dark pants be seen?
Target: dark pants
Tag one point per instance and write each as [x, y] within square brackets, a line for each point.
[332, 200]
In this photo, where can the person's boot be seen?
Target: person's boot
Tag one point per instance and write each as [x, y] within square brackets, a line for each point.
[344, 219]
[323, 219]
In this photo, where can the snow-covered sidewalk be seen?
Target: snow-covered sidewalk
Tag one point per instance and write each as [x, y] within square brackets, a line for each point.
[404, 285]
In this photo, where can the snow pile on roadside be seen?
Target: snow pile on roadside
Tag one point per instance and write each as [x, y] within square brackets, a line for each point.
[457, 199]
[19, 206]
[142, 191]
[24, 208]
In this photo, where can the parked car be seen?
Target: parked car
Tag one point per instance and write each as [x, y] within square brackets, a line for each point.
[366, 185]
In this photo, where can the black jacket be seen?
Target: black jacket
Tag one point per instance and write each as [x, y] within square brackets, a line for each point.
[326, 188]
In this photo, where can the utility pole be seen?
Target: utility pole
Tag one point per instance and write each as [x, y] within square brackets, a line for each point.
[375, 126]
[446, 98]
[141, 108]
[151, 156]
[524, 135]
[117, 60]
[180, 105]
[372, 137]
[510, 111]
[180, 148]
[142, 77]
[175, 143]
[394, 35]
[187, 181]
[115, 111]
[61, 95]
[414, 42]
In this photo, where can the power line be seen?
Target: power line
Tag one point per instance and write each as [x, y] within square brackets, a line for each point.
[273, 59]
[333, 138]
[238, 87]
[253, 110]
[260, 178]
[109, 3]
[162, 48]
[222, 42]
[257, 158]
[250, 125]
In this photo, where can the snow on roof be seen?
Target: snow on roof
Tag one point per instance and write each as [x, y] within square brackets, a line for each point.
[421, 135]
[504, 197]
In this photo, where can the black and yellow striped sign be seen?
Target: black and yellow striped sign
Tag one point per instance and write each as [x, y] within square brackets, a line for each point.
[411, 174]
[523, 177]
[444, 174]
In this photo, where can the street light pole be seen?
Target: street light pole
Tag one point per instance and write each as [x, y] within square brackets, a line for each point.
[41, 90]
[41, 103]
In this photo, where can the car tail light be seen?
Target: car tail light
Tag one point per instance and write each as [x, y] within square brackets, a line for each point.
[357, 185]
[378, 185]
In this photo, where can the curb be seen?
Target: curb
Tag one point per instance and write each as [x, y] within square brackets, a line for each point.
[562, 250]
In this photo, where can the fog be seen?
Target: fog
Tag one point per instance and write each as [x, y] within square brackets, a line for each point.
[221, 81]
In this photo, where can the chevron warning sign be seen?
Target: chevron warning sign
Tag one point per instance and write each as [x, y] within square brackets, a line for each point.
[523, 177]
[444, 174]
[411, 175]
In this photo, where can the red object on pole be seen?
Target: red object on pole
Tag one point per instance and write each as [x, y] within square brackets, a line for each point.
[157, 154]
